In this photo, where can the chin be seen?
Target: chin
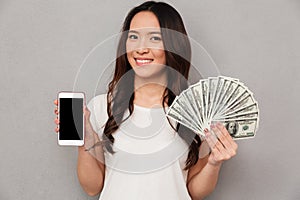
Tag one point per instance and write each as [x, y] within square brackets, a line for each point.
[149, 71]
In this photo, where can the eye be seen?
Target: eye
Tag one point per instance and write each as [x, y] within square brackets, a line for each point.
[132, 36]
[155, 38]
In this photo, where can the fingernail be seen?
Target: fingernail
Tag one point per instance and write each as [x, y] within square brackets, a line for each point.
[212, 126]
[206, 132]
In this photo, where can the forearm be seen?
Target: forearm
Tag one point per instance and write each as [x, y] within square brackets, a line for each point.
[204, 182]
[90, 171]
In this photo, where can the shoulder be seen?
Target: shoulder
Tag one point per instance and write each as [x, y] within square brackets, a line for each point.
[98, 100]
[97, 104]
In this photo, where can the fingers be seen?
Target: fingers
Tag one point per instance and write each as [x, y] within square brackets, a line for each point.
[222, 137]
[56, 129]
[226, 138]
[86, 112]
[222, 145]
[56, 102]
[56, 109]
[217, 155]
[56, 112]
[56, 120]
[88, 126]
[210, 138]
[213, 142]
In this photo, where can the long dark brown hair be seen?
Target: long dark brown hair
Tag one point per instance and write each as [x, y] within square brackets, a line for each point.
[178, 54]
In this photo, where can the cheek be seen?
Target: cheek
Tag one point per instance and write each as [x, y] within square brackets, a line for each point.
[130, 47]
[128, 52]
[160, 55]
[130, 59]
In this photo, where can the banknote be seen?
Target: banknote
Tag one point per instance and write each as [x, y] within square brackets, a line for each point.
[189, 96]
[212, 85]
[239, 128]
[198, 96]
[179, 111]
[173, 114]
[217, 99]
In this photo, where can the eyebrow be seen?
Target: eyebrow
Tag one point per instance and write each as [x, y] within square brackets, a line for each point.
[155, 32]
[152, 32]
[132, 31]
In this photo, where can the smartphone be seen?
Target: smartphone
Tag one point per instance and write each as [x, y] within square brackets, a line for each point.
[71, 118]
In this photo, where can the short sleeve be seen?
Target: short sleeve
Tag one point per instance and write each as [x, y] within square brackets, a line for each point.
[97, 107]
[204, 149]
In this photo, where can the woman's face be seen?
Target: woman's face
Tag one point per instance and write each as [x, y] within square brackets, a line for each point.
[144, 46]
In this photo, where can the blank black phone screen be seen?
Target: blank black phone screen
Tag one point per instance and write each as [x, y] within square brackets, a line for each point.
[71, 119]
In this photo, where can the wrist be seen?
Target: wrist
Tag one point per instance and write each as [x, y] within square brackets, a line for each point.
[97, 143]
[96, 138]
[82, 148]
[215, 164]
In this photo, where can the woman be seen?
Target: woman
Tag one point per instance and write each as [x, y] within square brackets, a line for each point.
[152, 65]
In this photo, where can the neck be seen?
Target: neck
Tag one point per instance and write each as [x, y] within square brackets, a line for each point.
[149, 92]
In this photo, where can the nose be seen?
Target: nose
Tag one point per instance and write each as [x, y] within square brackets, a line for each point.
[142, 48]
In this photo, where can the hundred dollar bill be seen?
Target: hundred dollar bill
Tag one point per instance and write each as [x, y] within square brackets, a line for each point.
[193, 105]
[250, 114]
[237, 92]
[223, 88]
[182, 108]
[178, 118]
[215, 99]
[240, 129]
[197, 92]
[231, 88]
[244, 97]
[204, 87]
[244, 104]
[187, 109]
[252, 108]
[216, 96]
[212, 85]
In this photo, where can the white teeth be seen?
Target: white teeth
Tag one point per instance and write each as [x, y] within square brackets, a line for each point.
[143, 61]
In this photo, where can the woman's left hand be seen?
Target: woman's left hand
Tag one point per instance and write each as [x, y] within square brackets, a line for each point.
[221, 143]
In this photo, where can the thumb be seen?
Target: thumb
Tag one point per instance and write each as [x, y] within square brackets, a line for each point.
[87, 115]
[86, 112]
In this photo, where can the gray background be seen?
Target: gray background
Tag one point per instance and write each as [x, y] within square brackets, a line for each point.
[43, 43]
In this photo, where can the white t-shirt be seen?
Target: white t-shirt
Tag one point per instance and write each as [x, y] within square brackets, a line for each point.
[149, 156]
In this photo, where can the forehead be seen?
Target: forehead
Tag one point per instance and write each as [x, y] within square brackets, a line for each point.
[144, 19]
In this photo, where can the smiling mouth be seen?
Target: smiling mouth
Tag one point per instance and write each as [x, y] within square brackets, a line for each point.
[141, 62]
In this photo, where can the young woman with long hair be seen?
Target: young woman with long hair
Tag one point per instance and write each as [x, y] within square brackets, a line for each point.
[122, 158]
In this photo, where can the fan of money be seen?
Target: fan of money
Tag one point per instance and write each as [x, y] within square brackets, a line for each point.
[217, 99]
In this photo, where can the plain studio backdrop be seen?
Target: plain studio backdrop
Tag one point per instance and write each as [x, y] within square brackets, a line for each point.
[44, 43]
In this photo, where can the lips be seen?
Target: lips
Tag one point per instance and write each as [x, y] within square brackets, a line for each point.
[143, 61]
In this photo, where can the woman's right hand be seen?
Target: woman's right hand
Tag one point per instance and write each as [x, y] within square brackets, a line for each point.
[90, 136]
[90, 165]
